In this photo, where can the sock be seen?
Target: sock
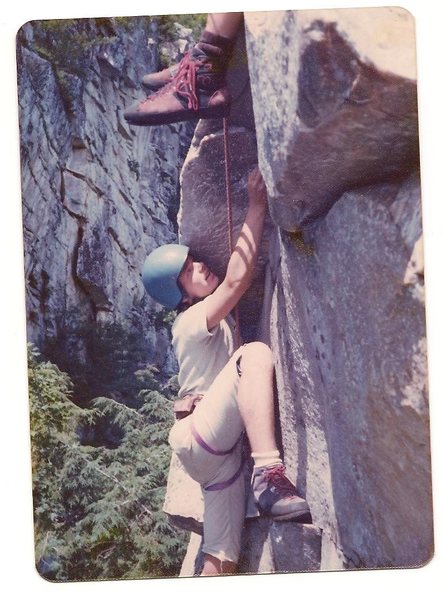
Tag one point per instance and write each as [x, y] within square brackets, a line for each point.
[263, 459]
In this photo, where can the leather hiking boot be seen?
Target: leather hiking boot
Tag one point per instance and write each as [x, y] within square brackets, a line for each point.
[197, 91]
[214, 46]
[276, 497]
[154, 81]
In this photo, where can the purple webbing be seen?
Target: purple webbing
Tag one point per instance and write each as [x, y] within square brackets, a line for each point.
[201, 442]
[224, 484]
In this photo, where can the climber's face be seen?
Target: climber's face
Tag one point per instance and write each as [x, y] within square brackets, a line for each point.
[196, 280]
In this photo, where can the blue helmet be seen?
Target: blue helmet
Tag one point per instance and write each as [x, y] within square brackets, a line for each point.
[160, 273]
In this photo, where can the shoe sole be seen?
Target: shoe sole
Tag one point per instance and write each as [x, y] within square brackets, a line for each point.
[297, 517]
[210, 112]
[149, 89]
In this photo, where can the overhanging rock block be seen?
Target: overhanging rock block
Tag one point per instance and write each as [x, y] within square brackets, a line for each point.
[335, 112]
[203, 207]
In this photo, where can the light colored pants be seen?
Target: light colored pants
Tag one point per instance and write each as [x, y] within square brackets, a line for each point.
[218, 421]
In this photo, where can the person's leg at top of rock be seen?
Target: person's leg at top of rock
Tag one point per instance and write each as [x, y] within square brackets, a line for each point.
[196, 87]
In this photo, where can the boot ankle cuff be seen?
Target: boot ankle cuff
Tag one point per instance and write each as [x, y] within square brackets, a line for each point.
[223, 43]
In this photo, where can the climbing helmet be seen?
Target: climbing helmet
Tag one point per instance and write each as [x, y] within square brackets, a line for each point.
[160, 273]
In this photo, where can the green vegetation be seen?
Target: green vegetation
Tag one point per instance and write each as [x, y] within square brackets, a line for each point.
[98, 507]
[66, 43]
[167, 32]
[114, 355]
[195, 22]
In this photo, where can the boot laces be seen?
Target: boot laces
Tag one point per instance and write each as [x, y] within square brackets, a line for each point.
[183, 82]
[276, 477]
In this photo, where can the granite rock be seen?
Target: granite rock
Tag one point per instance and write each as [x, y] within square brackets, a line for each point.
[335, 111]
[341, 280]
[97, 194]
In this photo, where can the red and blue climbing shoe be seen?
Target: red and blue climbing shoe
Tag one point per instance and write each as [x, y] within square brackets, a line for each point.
[276, 497]
[197, 91]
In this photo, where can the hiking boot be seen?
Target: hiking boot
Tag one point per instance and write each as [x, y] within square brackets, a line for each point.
[276, 497]
[154, 81]
[193, 89]
[216, 46]
[196, 92]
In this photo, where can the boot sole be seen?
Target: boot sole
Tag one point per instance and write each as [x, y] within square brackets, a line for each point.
[296, 516]
[209, 112]
[151, 88]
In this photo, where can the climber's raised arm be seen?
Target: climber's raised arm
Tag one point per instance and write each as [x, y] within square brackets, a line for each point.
[244, 256]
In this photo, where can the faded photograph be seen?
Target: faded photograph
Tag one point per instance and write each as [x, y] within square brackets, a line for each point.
[225, 295]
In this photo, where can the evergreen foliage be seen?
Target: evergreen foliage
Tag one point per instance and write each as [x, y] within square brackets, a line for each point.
[98, 509]
[166, 24]
[114, 354]
[67, 43]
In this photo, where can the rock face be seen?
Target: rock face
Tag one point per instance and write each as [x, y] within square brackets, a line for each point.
[340, 283]
[203, 186]
[345, 124]
[97, 195]
[351, 368]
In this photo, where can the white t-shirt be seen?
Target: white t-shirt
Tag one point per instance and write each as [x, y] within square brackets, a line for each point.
[201, 354]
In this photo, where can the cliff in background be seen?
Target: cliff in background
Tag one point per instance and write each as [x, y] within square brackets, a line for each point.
[96, 197]
[339, 293]
[325, 102]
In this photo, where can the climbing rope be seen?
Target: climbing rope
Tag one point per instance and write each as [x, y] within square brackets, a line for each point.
[229, 216]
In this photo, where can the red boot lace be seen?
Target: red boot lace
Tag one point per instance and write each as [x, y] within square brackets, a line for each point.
[183, 82]
[276, 476]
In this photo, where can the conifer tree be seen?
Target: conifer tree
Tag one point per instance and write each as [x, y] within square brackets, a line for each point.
[98, 509]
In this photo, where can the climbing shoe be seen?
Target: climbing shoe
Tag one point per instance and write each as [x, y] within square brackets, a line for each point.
[193, 89]
[214, 46]
[276, 497]
[155, 81]
[195, 92]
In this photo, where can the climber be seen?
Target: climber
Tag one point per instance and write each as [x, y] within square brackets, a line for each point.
[224, 390]
[196, 87]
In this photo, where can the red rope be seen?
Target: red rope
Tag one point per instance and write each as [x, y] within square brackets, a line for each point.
[229, 214]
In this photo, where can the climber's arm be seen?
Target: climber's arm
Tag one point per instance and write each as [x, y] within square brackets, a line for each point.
[244, 256]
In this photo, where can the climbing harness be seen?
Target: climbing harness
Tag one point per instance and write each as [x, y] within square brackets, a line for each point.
[201, 442]
[214, 487]
[229, 216]
[222, 484]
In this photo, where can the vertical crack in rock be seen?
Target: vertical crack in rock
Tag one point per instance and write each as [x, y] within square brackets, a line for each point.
[86, 178]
